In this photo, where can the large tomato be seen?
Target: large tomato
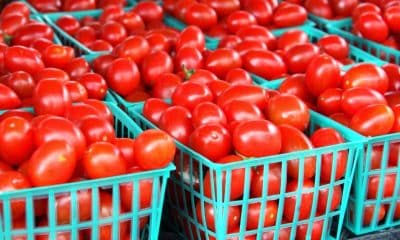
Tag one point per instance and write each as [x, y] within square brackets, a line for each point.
[262, 10]
[154, 149]
[239, 19]
[96, 129]
[295, 140]
[57, 56]
[175, 120]
[298, 57]
[51, 97]
[154, 65]
[52, 74]
[123, 76]
[289, 15]
[134, 47]
[149, 11]
[264, 63]
[76, 91]
[188, 58]
[335, 46]
[189, 94]
[291, 38]
[249, 136]
[372, 26]
[206, 113]
[153, 108]
[191, 36]
[26, 34]
[258, 34]
[392, 17]
[373, 120]
[305, 206]
[237, 111]
[222, 60]
[94, 84]
[295, 85]
[330, 100]
[68, 24]
[366, 75]
[19, 58]
[52, 163]
[356, 98]
[201, 15]
[343, 8]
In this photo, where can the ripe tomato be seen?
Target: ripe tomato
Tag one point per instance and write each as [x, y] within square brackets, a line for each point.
[344, 8]
[15, 7]
[102, 108]
[388, 186]
[341, 118]
[154, 149]
[165, 85]
[154, 65]
[322, 73]
[334, 46]
[158, 41]
[189, 94]
[298, 57]
[202, 76]
[393, 73]
[96, 129]
[52, 163]
[175, 120]
[134, 47]
[356, 98]
[52, 74]
[19, 58]
[26, 34]
[191, 36]
[68, 24]
[291, 38]
[323, 196]
[327, 137]
[305, 206]
[123, 76]
[316, 231]
[145, 190]
[249, 136]
[149, 11]
[10, 23]
[233, 218]
[201, 15]
[320, 8]
[372, 26]
[94, 84]
[51, 97]
[288, 15]
[264, 63]
[330, 100]
[22, 83]
[153, 108]
[79, 111]
[262, 11]
[258, 34]
[76, 91]
[70, 5]
[188, 58]
[366, 75]
[103, 159]
[4, 167]
[238, 19]
[273, 181]
[126, 149]
[369, 212]
[57, 56]
[113, 32]
[237, 111]
[85, 35]
[207, 113]
[392, 17]
[254, 213]
[244, 46]
[11, 181]
[363, 8]
[295, 85]
[222, 60]
[63, 206]
[288, 109]
[248, 93]
[238, 76]
[392, 98]
[373, 120]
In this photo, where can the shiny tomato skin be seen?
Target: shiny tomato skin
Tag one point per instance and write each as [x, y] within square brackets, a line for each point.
[158, 41]
[19, 58]
[153, 108]
[396, 124]
[306, 200]
[22, 83]
[344, 8]
[298, 57]
[369, 212]
[316, 231]
[189, 58]
[79, 111]
[76, 91]
[134, 47]
[273, 181]
[85, 35]
[191, 36]
[68, 24]
[27, 33]
[237, 111]
[387, 189]
[149, 11]
[322, 73]
[258, 34]
[238, 76]
[52, 74]
[51, 97]
[217, 87]
[364, 7]
[154, 149]
[373, 120]
[392, 17]
[207, 113]
[165, 85]
[201, 15]
[330, 100]
[254, 213]
[96, 129]
[57, 56]
[249, 93]
[126, 149]
[393, 73]
[334, 46]
[17, 113]
[52, 163]
[244, 46]
[291, 38]
[239, 19]
[295, 85]
[288, 109]
[113, 32]
[372, 26]
[209, 215]
[189, 94]
[103, 159]
[366, 75]
[123, 76]
[15, 7]
[289, 15]
[341, 118]
[154, 65]
[356, 98]
[249, 136]
[176, 121]
[320, 8]
[262, 11]
[222, 60]
[100, 106]
[94, 84]
[264, 63]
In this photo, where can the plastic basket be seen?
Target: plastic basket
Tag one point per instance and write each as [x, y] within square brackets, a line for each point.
[383, 52]
[125, 127]
[321, 22]
[314, 35]
[186, 188]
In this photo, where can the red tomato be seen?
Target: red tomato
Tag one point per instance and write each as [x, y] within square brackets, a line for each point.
[149, 11]
[238, 76]
[273, 181]
[191, 36]
[153, 108]
[165, 85]
[201, 15]
[16, 113]
[223, 7]
[396, 125]
[248, 93]
[154, 149]
[392, 17]
[19, 58]
[158, 42]
[366, 75]
[291, 38]
[15, 7]
[356, 98]
[363, 8]
[102, 108]
[320, 8]
[258, 34]
[316, 231]
[40, 44]
[288, 109]
[387, 189]
[208, 113]
[123, 76]
[52, 163]
[372, 26]
[113, 32]
[100, 45]
[10, 23]
[249, 136]
[254, 213]
[323, 196]
[29, 32]
[11, 181]
[238, 111]
[85, 35]
[52, 74]
[22, 83]
[264, 63]
[289, 15]
[305, 206]
[126, 149]
[96, 129]
[244, 46]
[94, 84]
[190, 94]
[376, 157]
[222, 60]
[76, 91]
[202, 76]
[135, 48]
[154, 65]
[335, 46]
[392, 98]
[68, 24]
[341, 118]
[262, 11]
[238, 19]
[294, 140]
[373, 120]
[103, 159]
[79, 111]
[71, 5]
[233, 218]
[63, 206]
[131, 21]
[329, 102]
[16, 140]
[393, 73]
[322, 73]
[111, 13]
[51, 97]
[298, 57]
[344, 8]
[369, 214]
[188, 58]
[175, 120]
[295, 85]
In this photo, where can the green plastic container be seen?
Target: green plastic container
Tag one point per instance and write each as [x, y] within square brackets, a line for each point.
[186, 188]
[314, 35]
[323, 22]
[344, 29]
[125, 127]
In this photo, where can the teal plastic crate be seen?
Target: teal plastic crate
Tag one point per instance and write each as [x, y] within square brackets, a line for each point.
[186, 188]
[321, 22]
[314, 35]
[125, 127]
[383, 52]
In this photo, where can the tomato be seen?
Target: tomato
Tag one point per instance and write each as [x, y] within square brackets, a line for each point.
[68, 24]
[248, 93]
[51, 97]
[94, 84]
[29, 32]
[85, 35]
[63, 206]
[238, 19]
[202, 76]
[11, 181]
[264, 63]
[123, 76]
[208, 113]
[344, 8]
[341, 118]
[298, 57]
[330, 100]
[363, 8]
[288, 109]
[262, 11]
[392, 98]
[103, 159]
[233, 218]
[158, 41]
[79, 111]
[320, 8]
[356, 98]
[102, 108]
[369, 212]
[22, 83]
[273, 181]
[149, 11]
[305, 206]
[387, 189]
[153, 108]
[322, 73]
[154, 65]
[191, 36]
[126, 149]
[295, 85]
[52, 163]
[19, 58]
[249, 136]
[175, 120]
[372, 26]
[244, 46]
[393, 73]
[189, 94]
[70, 5]
[373, 120]
[9, 24]
[40, 44]
[131, 21]
[391, 16]
[52, 74]
[201, 15]
[100, 45]
[254, 213]
[317, 229]
[111, 13]
[288, 15]
[135, 48]
[258, 34]
[15, 7]
[238, 76]
[113, 32]
[222, 60]
[366, 75]
[334, 46]
[323, 196]
[291, 38]
[96, 129]
[188, 58]
[284, 234]
[165, 85]
[76, 91]
[229, 41]
[238, 111]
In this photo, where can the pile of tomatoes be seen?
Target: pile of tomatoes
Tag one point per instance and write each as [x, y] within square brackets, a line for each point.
[329, 9]
[72, 5]
[238, 123]
[45, 150]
